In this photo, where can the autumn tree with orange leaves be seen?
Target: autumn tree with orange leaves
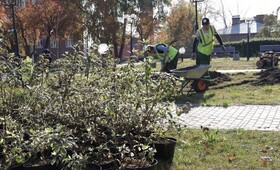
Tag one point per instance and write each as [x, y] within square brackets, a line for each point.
[103, 20]
[46, 19]
[150, 19]
[106, 23]
[179, 25]
[7, 35]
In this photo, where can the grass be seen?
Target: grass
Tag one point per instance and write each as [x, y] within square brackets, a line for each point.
[200, 149]
[220, 63]
[231, 149]
[203, 149]
[224, 63]
[210, 149]
[238, 91]
[235, 93]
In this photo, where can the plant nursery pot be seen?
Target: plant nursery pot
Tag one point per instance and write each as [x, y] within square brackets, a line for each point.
[165, 148]
[93, 166]
[40, 167]
[112, 165]
[1, 151]
[153, 166]
[1, 127]
[17, 167]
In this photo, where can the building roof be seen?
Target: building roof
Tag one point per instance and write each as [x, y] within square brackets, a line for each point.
[242, 28]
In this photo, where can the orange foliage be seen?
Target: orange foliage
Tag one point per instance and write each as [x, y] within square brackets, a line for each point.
[47, 18]
[180, 25]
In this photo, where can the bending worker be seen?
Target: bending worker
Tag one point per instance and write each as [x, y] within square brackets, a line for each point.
[167, 54]
[203, 43]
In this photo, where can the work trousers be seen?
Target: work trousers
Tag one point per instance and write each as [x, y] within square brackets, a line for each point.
[202, 58]
[166, 67]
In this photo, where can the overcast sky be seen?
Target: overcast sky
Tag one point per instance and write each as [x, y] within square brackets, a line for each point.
[248, 8]
[245, 8]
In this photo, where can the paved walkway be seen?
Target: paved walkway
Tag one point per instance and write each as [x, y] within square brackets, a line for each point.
[248, 117]
[240, 71]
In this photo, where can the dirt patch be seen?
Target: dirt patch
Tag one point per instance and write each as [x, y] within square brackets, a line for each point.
[268, 77]
[218, 78]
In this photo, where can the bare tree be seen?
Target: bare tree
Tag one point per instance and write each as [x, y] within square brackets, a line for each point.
[223, 14]
[209, 9]
[277, 12]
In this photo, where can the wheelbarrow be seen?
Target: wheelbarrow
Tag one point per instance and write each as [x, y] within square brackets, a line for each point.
[194, 75]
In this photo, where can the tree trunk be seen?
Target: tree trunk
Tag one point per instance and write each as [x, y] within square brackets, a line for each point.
[47, 43]
[123, 36]
[122, 41]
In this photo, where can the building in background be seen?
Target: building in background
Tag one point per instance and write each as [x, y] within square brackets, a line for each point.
[57, 47]
[241, 29]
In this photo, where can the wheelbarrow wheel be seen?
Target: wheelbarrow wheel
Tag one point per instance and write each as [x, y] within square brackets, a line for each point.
[200, 85]
[260, 64]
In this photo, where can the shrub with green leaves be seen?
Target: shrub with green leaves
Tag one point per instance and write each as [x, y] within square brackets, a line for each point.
[82, 104]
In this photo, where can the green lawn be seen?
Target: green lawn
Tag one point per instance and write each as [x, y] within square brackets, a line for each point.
[231, 149]
[239, 91]
[202, 149]
[224, 63]
[228, 149]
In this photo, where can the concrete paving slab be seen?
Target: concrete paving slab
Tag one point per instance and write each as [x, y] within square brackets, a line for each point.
[248, 117]
[239, 71]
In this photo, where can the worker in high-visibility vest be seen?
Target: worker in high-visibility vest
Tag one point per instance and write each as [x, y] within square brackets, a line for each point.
[167, 54]
[203, 43]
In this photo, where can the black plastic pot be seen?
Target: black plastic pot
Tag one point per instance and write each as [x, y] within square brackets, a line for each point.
[165, 148]
[40, 167]
[18, 167]
[152, 167]
[112, 165]
[1, 151]
[1, 127]
[93, 166]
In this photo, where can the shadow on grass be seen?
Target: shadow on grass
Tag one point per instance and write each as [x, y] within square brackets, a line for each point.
[188, 95]
[199, 98]
[193, 97]
[233, 84]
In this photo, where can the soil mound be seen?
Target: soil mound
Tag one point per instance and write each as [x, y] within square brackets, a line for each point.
[217, 77]
[268, 77]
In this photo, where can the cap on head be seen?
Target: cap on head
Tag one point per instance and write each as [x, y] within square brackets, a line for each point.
[205, 21]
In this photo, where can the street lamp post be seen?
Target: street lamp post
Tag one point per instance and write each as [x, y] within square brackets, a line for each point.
[196, 20]
[11, 4]
[130, 18]
[248, 21]
[131, 49]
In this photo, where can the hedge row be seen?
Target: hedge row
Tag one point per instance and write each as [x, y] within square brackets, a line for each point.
[254, 45]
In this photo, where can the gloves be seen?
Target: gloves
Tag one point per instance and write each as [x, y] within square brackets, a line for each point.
[193, 56]
[167, 59]
[224, 48]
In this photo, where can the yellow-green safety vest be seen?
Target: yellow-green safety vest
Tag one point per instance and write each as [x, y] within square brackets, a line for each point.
[171, 50]
[206, 44]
